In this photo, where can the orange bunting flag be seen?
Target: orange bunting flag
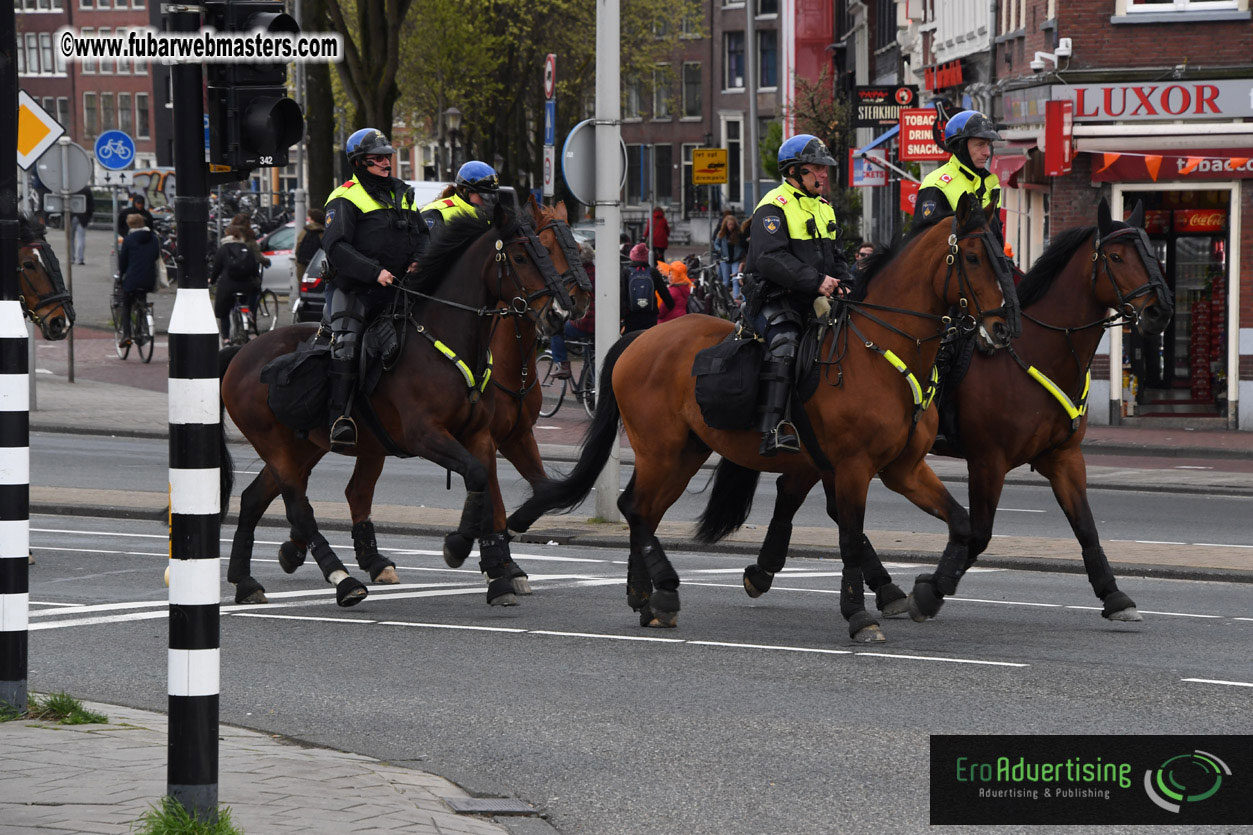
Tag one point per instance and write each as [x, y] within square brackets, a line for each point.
[1109, 159]
[1189, 166]
[1153, 162]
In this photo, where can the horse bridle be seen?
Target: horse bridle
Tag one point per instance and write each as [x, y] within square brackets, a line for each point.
[569, 248]
[1157, 278]
[57, 295]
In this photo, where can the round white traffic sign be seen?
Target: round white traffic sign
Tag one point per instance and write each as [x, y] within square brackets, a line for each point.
[55, 178]
[550, 75]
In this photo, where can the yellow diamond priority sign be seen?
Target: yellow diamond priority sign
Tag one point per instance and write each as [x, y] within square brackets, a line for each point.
[37, 131]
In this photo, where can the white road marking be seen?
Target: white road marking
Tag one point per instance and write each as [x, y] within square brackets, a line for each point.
[451, 626]
[643, 638]
[1178, 614]
[1020, 510]
[1006, 602]
[732, 645]
[942, 658]
[1191, 467]
[1220, 545]
[1219, 681]
[1149, 541]
[299, 617]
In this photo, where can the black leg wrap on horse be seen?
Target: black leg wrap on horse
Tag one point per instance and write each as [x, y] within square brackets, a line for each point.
[457, 547]
[773, 552]
[949, 571]
[660, 571]
[367, 548]
[1115, 602]
[664, 608]
[890, 600]
[241, 556]
[291, 556]
[852, 596]
[350, 592]
[325, 557]
[639, 586]
[876, 575]
[757, 580]
[495, 564]
[245, 588]
[472, 514]
[925, 602]
[859, 621]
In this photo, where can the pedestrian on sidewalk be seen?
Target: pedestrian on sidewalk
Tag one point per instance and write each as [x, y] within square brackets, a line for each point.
[309, 241]
[138, 206]
[80, 222]
[642, 285]
[680, 290]
[137, 267]
[731, 246]
[660, 229]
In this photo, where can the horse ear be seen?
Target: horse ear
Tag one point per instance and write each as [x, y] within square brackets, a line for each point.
[1104, 221]
[963, 209]
[499, 215]
[560, 212]
[533, 209]
[1137, 215]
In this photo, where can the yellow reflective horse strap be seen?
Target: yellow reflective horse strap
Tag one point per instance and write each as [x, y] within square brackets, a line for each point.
[914, 388]
[478, 386]
[933, 385]
[1074, 412]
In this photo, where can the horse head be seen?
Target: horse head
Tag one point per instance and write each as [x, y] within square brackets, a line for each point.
[1126, 275]
[45, 300]
[526, 271]
[976, 278]
[552, 227]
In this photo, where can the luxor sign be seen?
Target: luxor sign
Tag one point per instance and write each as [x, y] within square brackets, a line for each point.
[1139, 101]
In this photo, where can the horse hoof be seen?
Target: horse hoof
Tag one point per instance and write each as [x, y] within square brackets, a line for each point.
[1120, 607]
[891, 601]
[521, 585]
[500, 592]
[386, 577]
[456, 549]
[924, 601]
[663, 620]
[249, 591]
[291, 556]
[757, 580]
[1128, 615]
[350, 592]
[871, 634]
[664, 606]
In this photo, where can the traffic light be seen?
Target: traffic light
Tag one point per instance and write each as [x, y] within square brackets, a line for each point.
[252, 122]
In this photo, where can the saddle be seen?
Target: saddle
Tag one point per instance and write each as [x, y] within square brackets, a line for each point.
[726, 380]
[300, 381]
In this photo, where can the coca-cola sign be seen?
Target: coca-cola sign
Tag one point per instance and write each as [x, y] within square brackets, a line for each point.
[1138, 101]
[1200, 221]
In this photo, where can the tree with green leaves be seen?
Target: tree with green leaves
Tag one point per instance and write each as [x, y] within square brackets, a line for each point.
[371, 31]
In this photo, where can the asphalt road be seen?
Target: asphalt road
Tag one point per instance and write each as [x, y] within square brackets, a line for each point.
[751, 717]
[1147, 516]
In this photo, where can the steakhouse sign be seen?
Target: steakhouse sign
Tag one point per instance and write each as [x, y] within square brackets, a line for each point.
[1140, 101]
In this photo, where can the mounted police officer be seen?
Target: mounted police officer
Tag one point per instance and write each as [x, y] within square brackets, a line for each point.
[792, 258]
[373, 237]
[476, 190]
[969, 136]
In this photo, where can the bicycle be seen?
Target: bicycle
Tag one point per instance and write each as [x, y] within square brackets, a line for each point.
[143, 333]
[246, 322]
[708, 289]
[554, 388]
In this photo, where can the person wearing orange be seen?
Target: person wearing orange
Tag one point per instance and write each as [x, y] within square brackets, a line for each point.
[680, 289]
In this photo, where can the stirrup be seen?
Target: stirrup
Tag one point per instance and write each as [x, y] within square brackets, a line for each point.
[343, 433]
[774, 441]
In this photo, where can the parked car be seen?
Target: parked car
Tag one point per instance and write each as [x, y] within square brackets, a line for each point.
[279, 246]
[311, 294]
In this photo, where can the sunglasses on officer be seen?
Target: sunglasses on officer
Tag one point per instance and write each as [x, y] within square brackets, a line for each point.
[380, 160]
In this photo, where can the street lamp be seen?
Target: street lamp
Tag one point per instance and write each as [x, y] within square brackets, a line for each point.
[452, 120]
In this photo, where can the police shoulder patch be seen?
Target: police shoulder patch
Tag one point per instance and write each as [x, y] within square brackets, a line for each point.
[772, 223]
[430, 222]
[928, 208]
[330, 216]
[946, 178]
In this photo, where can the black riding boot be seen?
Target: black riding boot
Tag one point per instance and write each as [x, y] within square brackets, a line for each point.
[777, 433]
[343, 428]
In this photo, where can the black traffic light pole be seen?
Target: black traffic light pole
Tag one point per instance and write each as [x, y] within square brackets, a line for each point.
[195, 573]
[14, 398]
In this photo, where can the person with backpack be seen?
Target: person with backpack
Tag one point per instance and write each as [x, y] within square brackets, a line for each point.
[309, 241]
[235, 270]
[680, 291]
[641, 286]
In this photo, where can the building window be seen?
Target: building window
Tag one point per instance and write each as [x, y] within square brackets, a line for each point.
[691, 91]
[767, 7]
[63, 112]
[32, 53]
[663, 172]
[108, 112]
[102, 4]
[767, 59]
[733, 61]
[91, 116]
[123, 64]
[732, 143]
[21, 56]
[690, 27]
[45, 53]
[88, 65]
[1138, 6]
[125, 115]
[636, 169]
[885, 23]
[631, 94]
[86, 4]
[141, 115]
[663, 91]
[107, 65]
[137, 4]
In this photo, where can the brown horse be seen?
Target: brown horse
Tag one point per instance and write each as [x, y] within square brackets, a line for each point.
[513, 397]
[1065, 298]
[429, 404]
[45, 301]
[860, 418]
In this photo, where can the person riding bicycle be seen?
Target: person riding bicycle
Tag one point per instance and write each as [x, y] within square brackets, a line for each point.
[374, 236]
[138, 206]
[137, 268]
[793, 257]
[475, 191]
[235, 270]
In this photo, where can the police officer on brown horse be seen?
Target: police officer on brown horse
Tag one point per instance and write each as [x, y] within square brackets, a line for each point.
[373, 237]
[793, 257]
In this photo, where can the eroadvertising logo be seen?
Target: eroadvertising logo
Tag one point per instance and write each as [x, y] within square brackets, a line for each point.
[1091, 779]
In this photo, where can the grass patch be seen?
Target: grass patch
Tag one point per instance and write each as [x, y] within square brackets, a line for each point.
[61, 708]
[170, 818]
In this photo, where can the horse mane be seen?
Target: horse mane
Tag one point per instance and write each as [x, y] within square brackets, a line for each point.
[451, 242]
[1049, 265]
[875, 263]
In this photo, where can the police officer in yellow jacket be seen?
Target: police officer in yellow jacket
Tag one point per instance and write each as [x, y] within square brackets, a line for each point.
[475, 190]
[793, 257]
[373, 237]
[969, 136]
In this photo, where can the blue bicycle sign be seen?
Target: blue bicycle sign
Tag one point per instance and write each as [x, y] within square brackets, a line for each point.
[115, 150]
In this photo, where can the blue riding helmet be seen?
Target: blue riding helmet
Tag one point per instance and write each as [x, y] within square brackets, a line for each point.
[803, 148]
[969, 124]
[478, 176]
[367, 141]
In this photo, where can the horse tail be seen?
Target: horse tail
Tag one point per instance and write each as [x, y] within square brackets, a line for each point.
[566, 494]
[730, 500]
[226, 476]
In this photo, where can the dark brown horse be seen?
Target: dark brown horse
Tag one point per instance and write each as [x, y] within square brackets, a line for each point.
[427, 405]
[863, 413]
[45, 301]
[513, 397]
[1065, 299]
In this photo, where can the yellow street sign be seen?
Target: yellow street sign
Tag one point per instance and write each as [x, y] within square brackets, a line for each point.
[709, 166]
[37, 131]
